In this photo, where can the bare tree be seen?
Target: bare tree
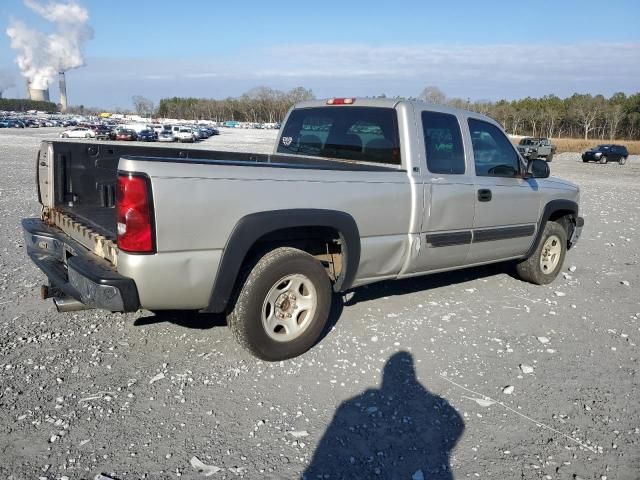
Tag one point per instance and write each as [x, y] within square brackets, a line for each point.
[586, 110]
[614, 115]
[432, 94]
[142, 105]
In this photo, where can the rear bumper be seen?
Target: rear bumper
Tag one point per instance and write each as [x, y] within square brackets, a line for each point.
[76, 271]
[577, 231]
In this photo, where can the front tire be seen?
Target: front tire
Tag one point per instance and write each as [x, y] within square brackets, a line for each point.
[283, 305]
[549, 157]
[603, 159]
[622, 160]
[543, 266]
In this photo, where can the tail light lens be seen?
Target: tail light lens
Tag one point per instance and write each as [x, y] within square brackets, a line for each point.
[134, 214]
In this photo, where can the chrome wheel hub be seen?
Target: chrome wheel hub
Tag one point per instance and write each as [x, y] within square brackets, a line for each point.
[289, 307]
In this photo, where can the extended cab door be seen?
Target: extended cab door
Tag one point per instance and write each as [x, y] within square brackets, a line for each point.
[507, 206]
[449, 191]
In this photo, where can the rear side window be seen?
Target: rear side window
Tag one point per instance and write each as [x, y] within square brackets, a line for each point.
[493, 153]
[443, 143]
[367, 134]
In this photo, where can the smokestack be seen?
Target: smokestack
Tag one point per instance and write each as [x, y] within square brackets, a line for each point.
[63, 93]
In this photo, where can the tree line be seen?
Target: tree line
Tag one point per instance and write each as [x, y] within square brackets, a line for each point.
[24, 105]
[578, 116]
[258, 105]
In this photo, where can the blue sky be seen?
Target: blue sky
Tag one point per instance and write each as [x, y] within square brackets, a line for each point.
[490, 49]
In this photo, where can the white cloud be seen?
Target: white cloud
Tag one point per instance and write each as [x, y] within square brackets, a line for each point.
[475, 71]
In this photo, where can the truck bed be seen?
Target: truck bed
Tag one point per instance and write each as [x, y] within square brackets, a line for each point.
[85, 174]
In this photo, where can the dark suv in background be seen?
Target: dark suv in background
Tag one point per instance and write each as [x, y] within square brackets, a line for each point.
[606, 153]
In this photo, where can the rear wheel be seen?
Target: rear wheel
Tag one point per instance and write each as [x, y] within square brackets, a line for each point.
[603, 159]
[283, 305]
[546, 262]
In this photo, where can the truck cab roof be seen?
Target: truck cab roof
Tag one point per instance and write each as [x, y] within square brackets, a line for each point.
[392, 103]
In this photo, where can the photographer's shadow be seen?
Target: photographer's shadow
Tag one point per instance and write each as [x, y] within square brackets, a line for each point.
[392, 432]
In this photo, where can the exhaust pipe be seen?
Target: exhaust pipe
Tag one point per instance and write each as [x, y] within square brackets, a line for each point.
[69, 304]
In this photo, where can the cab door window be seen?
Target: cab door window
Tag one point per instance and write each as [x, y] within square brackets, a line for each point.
[443, 143]
[493, 153]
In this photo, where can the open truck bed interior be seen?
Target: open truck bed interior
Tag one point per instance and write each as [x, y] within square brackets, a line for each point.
[85, 174]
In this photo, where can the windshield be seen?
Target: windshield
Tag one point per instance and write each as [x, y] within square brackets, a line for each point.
[526, 141]
[367, 134]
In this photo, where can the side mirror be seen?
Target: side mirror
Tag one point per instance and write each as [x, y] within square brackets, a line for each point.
[538, 168]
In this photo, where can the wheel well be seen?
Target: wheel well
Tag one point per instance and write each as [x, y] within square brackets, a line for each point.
[566, 218]
[324, 243]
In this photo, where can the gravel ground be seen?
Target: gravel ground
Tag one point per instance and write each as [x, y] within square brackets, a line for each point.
[466, 375]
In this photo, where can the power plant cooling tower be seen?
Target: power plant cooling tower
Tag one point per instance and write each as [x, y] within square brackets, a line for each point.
[37, 93]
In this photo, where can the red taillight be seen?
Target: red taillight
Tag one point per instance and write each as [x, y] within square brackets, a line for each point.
[340, 101]
[135, 222]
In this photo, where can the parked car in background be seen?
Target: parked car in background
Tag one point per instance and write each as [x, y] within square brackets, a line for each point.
[126, 134]
[166, 136]
[532, 147]
[78, 132]
[147, 136]
[102, 132]
[156, 127]
[606, 153]
[185, 134]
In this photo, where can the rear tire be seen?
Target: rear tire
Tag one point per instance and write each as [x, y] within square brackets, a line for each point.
[282, 306]
[543, 266]
[603, 159]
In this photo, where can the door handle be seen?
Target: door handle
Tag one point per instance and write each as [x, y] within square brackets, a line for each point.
[484, 195]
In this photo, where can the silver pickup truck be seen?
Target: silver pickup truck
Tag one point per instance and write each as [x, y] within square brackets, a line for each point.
[356, 191]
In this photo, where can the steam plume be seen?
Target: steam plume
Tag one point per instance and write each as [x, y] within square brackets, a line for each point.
[41, 56]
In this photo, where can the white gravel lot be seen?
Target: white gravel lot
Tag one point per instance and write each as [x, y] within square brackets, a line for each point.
[467, 375]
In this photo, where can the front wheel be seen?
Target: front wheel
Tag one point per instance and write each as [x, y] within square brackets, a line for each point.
[622, 160]
[543, 266]
[549, 157]
[603, 159]
[283, 305]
